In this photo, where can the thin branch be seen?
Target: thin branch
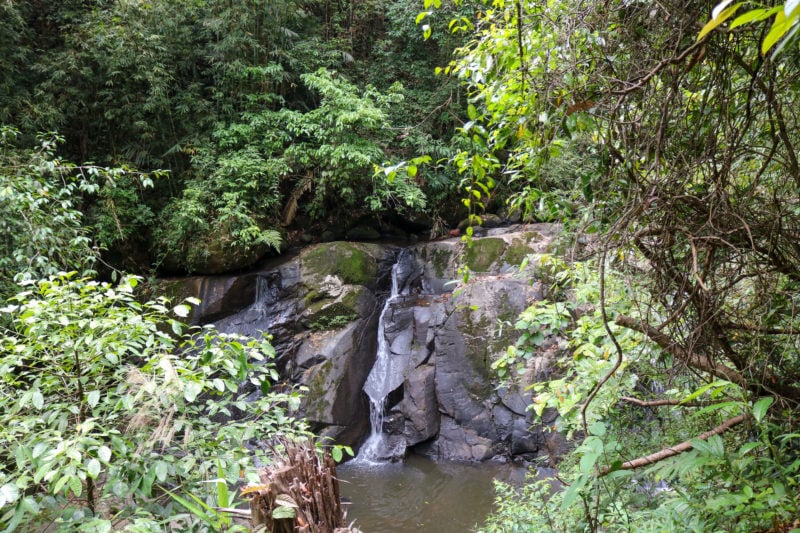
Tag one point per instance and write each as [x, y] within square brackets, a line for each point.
[769, 383]
[674, 450]
[660, 66]
[698, 361]
[661, 403]
[618, 362]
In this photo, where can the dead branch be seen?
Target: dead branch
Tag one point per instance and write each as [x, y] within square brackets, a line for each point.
[698, 361]
[641, 82]
[674, 450]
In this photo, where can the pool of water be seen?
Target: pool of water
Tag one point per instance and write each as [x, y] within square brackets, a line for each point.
[420, 495]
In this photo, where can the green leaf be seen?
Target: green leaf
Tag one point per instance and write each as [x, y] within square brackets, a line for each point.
[37, 399]
[598, 429]
[182, 310]
[588, 460]
[702, 390]
[60, 484]
[284, 500]
[282, 513]
[754, 15]
[92, 398]
[778, 30]
[336, 453]
[761, 406]
[191, 390]
[193, 508]
[93, 468]
[75, 485]
[572, 491]
[8, 494]
[719, 18]
[161, 469]
[104, 453]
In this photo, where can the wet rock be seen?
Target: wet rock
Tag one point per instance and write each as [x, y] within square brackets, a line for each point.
[420, 407]
[323, 306]
[456, 443]
[219, 295]
[334, 384]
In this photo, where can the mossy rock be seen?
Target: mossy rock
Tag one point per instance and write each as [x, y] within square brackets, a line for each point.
[353, 263]
[333, 314]
[318, 402]
[484, 253]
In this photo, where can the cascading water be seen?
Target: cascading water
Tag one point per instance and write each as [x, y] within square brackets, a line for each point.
[387, 373]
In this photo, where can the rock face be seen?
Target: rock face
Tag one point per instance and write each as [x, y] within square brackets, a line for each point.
[322, 308]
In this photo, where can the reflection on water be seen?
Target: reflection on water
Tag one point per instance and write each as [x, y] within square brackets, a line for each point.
[420, 495]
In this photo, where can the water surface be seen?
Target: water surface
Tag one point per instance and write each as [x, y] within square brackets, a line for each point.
[420, 495]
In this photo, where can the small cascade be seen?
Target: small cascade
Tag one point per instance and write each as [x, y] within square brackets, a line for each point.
[387, 373]
[266, 293]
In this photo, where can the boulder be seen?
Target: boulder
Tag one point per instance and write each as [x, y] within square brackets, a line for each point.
[420, 409]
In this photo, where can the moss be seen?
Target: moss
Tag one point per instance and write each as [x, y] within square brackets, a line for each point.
[352, 263]
[333, 314]
[326, 315]
[483, 253]
[311, 297]
[317, 401]
[440, 259]
[517, 251]
[478, 354]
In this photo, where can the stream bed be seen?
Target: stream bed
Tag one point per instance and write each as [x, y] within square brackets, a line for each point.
[420, 495]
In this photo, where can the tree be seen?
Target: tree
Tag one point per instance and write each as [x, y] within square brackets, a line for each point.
[692, 184]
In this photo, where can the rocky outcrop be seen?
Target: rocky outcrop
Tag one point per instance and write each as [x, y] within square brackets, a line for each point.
[320, 309]
[443, 331]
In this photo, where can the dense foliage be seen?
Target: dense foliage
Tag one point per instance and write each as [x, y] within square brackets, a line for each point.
[663, 133]
[104, 414]
[269, 116]
[113, 413]
[687, 173]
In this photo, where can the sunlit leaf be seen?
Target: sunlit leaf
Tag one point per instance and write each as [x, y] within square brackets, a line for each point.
[719, 18]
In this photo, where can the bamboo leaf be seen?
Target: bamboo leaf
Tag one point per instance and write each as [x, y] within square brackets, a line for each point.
[778, 30]
[720, 17]
[754, 15]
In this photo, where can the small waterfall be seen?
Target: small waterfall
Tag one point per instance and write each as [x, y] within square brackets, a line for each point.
[387, 373]
[266, 294]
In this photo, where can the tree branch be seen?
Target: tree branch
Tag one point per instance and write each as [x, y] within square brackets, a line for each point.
[701, 362]
[660, 403]
[768, 381]
[674, 450]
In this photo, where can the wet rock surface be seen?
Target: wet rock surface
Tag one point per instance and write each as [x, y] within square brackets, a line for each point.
[322, 309]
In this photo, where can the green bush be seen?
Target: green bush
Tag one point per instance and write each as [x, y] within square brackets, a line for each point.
[106, 404]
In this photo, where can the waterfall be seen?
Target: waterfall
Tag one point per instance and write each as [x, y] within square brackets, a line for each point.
[386, 375]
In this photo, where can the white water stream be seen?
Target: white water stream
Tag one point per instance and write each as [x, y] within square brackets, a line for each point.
[383, 379]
